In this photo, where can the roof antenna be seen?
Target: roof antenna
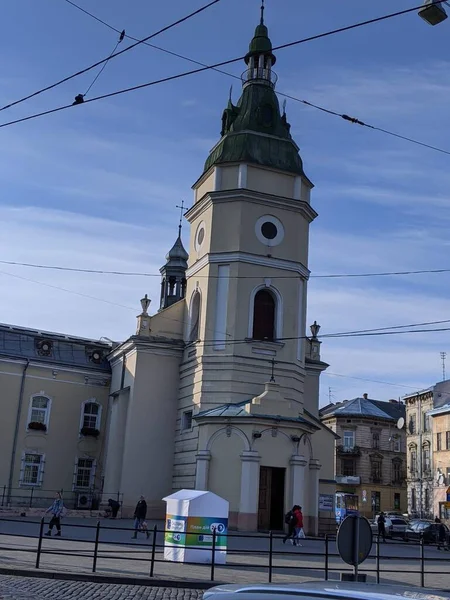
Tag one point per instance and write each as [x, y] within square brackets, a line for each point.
[272, 377]
[262, 12]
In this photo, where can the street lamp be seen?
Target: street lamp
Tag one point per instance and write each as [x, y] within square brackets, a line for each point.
[433, 11]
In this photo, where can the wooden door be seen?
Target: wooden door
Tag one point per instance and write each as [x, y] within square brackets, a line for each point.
[265, 493]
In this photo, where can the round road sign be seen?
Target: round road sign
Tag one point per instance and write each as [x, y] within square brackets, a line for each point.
[354, 540]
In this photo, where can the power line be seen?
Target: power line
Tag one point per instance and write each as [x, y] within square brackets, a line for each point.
[295, 99]
[214, 67]
[111, 56]
[294, 276]
[329, 374]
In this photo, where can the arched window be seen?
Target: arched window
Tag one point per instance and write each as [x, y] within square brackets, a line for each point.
[264, 314]
[194, 319]
[90, 418]
[39, 412]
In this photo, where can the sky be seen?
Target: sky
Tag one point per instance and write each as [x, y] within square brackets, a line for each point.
[96, 186]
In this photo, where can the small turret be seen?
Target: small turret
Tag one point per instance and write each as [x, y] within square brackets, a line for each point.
[173, 273]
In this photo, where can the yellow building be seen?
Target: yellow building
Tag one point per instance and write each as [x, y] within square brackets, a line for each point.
[370, 452]
[441, 460]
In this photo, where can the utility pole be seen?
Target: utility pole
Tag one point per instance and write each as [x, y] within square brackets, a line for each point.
[443, 357]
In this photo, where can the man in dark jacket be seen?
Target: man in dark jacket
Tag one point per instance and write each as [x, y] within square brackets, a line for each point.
[140, 514]
[114, 506]
[382, 527]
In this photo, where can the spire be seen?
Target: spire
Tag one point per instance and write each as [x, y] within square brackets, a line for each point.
[262, 12]
[173, 273]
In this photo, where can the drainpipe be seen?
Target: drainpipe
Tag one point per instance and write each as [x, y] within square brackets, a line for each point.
[16, 432]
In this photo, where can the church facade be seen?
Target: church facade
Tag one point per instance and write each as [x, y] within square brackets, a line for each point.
[219, 388]
[226, 357]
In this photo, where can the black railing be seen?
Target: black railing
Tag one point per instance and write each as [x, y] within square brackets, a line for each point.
[35, 497]
[321, 560]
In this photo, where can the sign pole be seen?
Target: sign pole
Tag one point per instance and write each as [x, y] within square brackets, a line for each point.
[356, 546]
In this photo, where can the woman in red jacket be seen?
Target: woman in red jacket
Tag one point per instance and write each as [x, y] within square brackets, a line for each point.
[298, 524]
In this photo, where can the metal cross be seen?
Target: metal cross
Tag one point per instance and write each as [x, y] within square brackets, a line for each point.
[262, 12]
[272, 377]
[181, 217]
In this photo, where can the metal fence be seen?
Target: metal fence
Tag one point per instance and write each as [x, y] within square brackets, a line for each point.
[325, 560]
[36, 497]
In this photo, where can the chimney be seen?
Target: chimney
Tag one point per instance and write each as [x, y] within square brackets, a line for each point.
[365, 396]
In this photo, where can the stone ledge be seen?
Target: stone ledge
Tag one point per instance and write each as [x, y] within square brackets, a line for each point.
[111, 579]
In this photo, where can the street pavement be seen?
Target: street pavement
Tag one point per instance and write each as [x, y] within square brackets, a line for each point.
[23, 588]
[247, 559]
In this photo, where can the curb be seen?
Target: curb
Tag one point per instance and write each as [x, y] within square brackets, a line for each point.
[111, 579]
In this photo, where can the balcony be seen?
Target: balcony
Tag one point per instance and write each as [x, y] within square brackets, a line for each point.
[348, 480]
[265, 76]
[348, 450]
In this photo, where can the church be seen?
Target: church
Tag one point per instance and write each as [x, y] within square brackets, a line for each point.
[219, 388]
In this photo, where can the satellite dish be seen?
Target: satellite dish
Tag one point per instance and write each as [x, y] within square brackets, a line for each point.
[401, 423]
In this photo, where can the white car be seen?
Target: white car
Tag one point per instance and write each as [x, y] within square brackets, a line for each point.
[324, 590]
[395, 526]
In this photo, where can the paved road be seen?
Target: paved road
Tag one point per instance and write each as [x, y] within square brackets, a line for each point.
[247, 559]
[22, 588]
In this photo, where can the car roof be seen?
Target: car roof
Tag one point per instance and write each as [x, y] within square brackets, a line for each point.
[332, 590]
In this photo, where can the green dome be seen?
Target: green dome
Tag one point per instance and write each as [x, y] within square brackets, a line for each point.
[260, 44]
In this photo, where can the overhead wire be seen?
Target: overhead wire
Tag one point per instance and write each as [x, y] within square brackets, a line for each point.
[111, 56]
[223, 63]
[293, 276]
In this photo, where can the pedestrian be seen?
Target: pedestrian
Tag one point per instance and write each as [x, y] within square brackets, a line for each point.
[114, 506]
[441, 536]
[289, 520]
[56, 509]
[140, 514]
[437, 519]
[298, 524]
[382, 527]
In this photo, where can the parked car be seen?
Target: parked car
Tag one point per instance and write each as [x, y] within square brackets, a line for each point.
[317, 590]
[395, 526]
[428, 529]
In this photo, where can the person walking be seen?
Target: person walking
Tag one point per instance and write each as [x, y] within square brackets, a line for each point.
[382, 527]
[290, 522]
[140, 514]
[56, 509]
[114, 506]
[298, 525]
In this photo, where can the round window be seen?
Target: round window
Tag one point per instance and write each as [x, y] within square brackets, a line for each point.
[200, 237]
[269, 230]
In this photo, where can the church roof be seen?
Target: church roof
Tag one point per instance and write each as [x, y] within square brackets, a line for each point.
[239, 410]
[365, 407]
[254, 131]
[177, 252]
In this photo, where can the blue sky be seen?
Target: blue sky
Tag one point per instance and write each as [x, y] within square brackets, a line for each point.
[96, 186]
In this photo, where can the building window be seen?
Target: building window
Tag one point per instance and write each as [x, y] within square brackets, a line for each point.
[39, 413]
[264, 312]
[396, 501]
[186, 421]
[413, 499]
[439, 441]
[447, 440]
[412, 424]
[84, 473]
[376, 470]
[349, 440]
[397, 470]
[194, 321]
[427, 499]
[413, 461]
[32, 469]
[348, 467]
[375, 441]
[90, 418]
[444, 513]
[426, 422]
[426, 458]
[397, 444]
[376, 501]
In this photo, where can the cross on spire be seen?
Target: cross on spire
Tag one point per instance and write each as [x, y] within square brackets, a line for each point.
[262, 12]
[180, 225]
[272, 376]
